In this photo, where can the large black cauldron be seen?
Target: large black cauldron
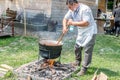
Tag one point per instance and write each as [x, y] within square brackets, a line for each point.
[49, 49]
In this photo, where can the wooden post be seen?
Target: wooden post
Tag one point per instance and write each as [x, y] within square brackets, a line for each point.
[24, 23]
[24, 17]
[2, 24]
[12, 28]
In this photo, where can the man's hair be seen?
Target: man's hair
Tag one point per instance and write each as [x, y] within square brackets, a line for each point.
[71, 2]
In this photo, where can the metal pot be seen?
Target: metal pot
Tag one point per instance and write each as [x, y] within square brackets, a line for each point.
[49, 49]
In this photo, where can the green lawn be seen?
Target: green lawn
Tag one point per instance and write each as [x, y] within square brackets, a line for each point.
[16, 51]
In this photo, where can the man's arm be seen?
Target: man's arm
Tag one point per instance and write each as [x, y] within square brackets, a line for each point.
[65, 25]
[79, 23]
[65, 21]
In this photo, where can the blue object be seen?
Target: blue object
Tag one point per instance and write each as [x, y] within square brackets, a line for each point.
[71, 28]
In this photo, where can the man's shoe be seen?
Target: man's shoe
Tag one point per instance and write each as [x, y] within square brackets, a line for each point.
[116, 35]
[81, 73]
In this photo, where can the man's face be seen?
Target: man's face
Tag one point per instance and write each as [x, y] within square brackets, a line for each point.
[71, 7]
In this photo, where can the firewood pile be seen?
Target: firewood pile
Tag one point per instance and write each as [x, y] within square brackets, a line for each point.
[4, 68]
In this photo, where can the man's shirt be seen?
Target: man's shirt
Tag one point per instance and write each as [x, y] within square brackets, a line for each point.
[83, 13]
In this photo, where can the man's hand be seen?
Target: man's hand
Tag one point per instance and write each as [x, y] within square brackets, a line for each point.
[65, 29]
[70, 22]
[66, 23]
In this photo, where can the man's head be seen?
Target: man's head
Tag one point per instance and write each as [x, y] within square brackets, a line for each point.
[72, 4]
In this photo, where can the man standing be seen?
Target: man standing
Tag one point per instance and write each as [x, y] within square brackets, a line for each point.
[116, 14]
[80, 16]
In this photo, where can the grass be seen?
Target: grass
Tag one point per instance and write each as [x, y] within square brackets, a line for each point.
[16, 51]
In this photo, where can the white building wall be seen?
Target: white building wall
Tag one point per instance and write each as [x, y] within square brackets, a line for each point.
[59, 8]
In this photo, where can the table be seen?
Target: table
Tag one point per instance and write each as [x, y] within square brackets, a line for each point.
[7, 21]
[101, 22]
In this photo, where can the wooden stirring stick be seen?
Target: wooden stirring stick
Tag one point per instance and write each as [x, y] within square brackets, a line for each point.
[60, 38]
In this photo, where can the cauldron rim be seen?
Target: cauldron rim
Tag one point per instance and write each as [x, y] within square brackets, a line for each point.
[43, 42]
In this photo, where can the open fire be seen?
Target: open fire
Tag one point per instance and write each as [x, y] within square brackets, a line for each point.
[48, 62]
[45, 69]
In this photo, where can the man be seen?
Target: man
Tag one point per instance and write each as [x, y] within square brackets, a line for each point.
[116, 14]
[80, 16]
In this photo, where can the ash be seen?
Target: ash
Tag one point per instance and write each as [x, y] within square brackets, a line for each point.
[40, 70]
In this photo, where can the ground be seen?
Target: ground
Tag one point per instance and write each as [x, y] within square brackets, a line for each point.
[19, 50]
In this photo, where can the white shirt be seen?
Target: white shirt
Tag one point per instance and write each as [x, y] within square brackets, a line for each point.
[83, 13]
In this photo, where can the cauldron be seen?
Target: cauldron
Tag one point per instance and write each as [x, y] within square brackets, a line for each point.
[49, 49]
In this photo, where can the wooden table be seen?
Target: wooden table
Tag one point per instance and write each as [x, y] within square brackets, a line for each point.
[101, 22]
[6, 21]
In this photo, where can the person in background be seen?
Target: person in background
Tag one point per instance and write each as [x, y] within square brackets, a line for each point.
[99, 12]
[116, 14]
[80, 16]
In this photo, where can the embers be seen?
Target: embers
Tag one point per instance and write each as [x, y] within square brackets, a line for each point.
[46, 70]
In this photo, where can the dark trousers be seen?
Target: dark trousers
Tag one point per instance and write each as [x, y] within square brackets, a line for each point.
[88, 49]
[117, 27]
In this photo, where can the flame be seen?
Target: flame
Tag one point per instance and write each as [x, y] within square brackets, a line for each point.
[51, 62]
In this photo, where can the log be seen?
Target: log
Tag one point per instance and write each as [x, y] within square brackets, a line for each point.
[102, 76]
[95, 75]
[5, 66]
[2, 74]
[3, 70]
[29, 78]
